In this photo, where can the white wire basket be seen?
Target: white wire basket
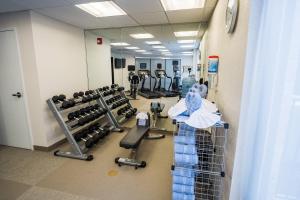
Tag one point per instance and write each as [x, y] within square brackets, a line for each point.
[199, 168]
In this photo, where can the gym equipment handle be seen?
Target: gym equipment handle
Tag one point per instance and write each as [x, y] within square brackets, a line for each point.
[18, 94]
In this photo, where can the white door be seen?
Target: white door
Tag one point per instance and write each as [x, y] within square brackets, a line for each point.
[14, 129]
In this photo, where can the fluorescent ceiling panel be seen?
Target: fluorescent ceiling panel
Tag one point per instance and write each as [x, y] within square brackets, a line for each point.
[119, 44]
[146, 53]
[140, 50]
[102, 9]
[187, 46]
[163, 50]
[131, 48]
[153, 42]
[142, 35]
[182, 4]
[186, 33]
[158, 47]
[185, 41]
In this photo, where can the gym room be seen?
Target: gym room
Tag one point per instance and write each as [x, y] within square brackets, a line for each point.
[149, 99]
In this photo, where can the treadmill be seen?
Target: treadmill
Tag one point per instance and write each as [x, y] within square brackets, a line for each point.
[160, 74]
[146, 92]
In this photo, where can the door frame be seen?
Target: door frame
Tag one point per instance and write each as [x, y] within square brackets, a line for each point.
[14, 29]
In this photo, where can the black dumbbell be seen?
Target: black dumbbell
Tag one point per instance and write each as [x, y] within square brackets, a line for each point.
[120, 89]
[78, 94]
[113, 86]
[76, 115]
[58, 99]
[68, 104]
[62, 99]
[98, 132]
[83, 136]
[121, 111]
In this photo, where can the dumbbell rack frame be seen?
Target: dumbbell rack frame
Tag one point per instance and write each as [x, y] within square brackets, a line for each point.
[78, 152]
[110, 113]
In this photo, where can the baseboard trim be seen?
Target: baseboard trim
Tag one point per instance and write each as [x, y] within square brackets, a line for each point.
[50, 148]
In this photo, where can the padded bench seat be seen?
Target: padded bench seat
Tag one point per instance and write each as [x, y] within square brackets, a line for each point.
[134, 137]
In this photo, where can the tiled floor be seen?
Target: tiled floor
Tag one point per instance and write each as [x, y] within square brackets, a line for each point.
[33, 175]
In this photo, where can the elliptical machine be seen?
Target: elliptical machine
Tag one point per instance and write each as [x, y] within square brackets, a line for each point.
[176, 87]
[134, 82]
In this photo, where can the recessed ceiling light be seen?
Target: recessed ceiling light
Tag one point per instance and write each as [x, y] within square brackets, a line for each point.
[140, 50]
[146, 53]
[185, 41]
[158, 47]
[187, 53]
[101, 9]
[119, 44]
[131, 48]
[142, 35]
[182, 4]
[163, 50]
[186, 33]
[153, 42]
[187, 46]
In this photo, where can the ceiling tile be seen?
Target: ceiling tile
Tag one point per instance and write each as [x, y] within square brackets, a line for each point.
[132, 6]
[150, 18]
[181, 16]
[8, 6]
[33, 4]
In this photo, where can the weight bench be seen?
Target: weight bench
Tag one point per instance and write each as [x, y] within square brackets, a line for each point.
[133, 139]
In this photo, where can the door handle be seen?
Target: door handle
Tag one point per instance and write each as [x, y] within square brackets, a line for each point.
[18, 94]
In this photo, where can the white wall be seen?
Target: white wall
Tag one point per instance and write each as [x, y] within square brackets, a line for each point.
[121, 75]
[98, 61]
[231, 49]
[61, 65]
[22, 23]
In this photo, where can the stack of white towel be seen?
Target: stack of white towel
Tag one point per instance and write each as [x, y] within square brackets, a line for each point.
[185, 159]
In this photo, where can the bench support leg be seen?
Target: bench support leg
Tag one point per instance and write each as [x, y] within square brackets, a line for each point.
[132, 161]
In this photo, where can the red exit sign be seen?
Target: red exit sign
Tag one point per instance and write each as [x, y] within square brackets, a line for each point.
[99, 40]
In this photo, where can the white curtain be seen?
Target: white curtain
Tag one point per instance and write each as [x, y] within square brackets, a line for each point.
[267, 162]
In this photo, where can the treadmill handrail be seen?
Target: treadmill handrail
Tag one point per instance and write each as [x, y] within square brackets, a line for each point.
[155, 81]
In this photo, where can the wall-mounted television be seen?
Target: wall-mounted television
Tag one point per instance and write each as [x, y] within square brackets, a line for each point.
[123, 62]
[175, 62]
[159, 66]
[120, 63]
[131, 68]
[143, 65]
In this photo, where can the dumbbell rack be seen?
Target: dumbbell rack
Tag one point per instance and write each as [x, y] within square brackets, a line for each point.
[117, 120]
[78, 151]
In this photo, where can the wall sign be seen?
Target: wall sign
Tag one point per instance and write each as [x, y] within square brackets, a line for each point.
[99, 41]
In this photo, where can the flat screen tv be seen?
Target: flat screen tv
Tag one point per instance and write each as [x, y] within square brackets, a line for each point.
[123, 62]
[131, 68]
[118, 63]
[175, 62]
[143, 65]
[159, 66]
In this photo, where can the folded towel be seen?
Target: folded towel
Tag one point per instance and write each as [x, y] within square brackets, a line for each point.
[185, 149]
[186, 159]
[184, 140]
[184, 172]
[187, 189]
[183, 180]
[182, 196]
[186, 130]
